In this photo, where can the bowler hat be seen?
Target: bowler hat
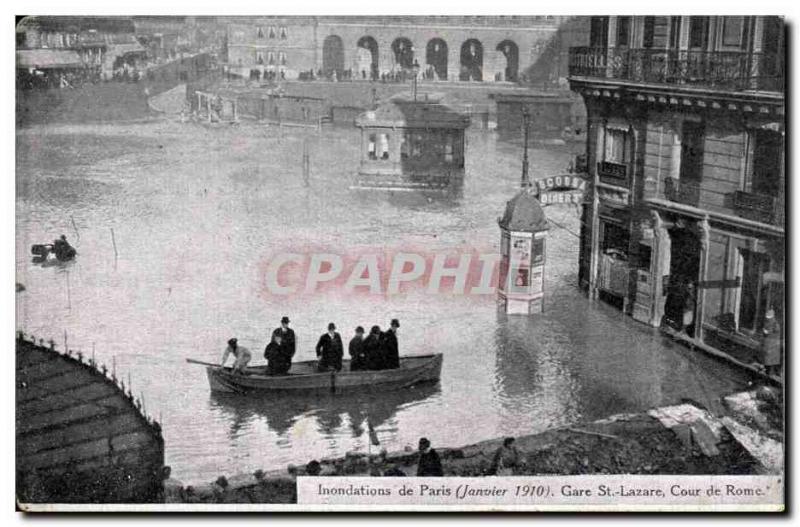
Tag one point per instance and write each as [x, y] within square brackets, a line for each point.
[331, 326]
[359, 329]
[285, 320]
[395, 323]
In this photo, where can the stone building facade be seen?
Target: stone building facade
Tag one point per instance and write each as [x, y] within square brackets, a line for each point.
[493, 48]
[685, 226]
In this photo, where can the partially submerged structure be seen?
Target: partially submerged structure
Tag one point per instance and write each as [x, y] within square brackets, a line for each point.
[410, 143]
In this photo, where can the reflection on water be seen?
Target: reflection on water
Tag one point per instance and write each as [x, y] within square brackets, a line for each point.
[195, 213]
[329, 412]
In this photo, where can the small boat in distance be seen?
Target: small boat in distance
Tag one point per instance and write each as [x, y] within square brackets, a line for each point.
[304, 378]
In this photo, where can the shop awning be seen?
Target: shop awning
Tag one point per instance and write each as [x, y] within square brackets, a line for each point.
[48, 58]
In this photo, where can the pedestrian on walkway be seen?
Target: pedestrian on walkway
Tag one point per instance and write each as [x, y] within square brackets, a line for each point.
[429, 463]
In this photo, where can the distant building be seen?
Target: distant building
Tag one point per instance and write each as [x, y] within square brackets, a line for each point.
[454, 48]
[54, 50]
[686, 226]
[408, 144]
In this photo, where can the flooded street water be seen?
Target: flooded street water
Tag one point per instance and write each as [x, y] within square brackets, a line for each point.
[197, 211]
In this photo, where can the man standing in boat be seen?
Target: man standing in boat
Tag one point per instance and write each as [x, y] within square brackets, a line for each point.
[390, 348]
[358, 355]
[241, 356]
[277, 354]
[287, 336]
[373, 349]
[330, 350]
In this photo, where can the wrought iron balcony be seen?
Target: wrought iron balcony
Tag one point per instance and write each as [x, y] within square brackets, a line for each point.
[727, 70]
[756, 207]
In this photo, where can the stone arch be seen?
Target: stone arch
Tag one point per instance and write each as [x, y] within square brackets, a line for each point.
[370, 64]
[436, 57]
[403, 50]
[471, 60]
[333, 56]
[510, 51]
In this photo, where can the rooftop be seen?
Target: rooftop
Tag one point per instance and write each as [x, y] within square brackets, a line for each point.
[524, 213]
[430, 110]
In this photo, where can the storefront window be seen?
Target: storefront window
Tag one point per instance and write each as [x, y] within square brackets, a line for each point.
[371, 147]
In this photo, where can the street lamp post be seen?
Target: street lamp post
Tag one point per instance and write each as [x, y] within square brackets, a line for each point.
[415, 69]
[526, 182]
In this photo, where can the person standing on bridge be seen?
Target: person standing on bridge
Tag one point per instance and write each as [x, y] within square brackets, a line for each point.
[241, 356]
[330, 350]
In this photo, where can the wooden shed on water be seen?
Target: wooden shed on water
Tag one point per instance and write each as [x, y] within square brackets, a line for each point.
[412, 144]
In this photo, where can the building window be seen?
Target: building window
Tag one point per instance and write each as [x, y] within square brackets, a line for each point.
[649, 32]
[371, 147]
[260, 32]
[272, 32]
[698, 32]
[692, 145]
[732, 31]
[764, 171]
[282, 58]
[753, 295]
[271, 58]
[598, 32]
[284, 33]
[617, 143]
[259, 57]
[675, 32]
[623, 31]
[384, 146]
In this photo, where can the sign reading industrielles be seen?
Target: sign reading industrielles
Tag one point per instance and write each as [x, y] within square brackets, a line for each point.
[566, 188]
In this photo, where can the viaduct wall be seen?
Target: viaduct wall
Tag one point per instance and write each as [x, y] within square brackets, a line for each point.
[80, 438]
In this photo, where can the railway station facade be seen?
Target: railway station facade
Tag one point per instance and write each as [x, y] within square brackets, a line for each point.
[466, 48]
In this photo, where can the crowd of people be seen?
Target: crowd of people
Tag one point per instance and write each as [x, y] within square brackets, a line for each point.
[377, 351]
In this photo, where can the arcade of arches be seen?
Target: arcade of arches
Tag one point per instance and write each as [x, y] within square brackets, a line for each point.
[369, 61]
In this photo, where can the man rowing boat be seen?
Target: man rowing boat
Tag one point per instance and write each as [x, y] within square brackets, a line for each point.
[241, 356]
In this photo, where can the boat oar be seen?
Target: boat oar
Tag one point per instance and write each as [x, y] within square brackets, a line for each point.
[194, 361]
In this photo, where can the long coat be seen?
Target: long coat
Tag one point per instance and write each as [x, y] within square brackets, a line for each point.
[373, 349]
[330, 351]
[278, 359]
[358, 354]
[390, 350]
[429, 464]
[288, 339]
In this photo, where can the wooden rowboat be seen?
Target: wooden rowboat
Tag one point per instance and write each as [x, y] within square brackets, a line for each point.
[304, 378]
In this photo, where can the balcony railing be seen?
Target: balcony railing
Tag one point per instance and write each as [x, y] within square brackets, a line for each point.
[755, 207]
[729, 70]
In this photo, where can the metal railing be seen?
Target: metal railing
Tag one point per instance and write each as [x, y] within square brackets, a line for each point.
[729, 70]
